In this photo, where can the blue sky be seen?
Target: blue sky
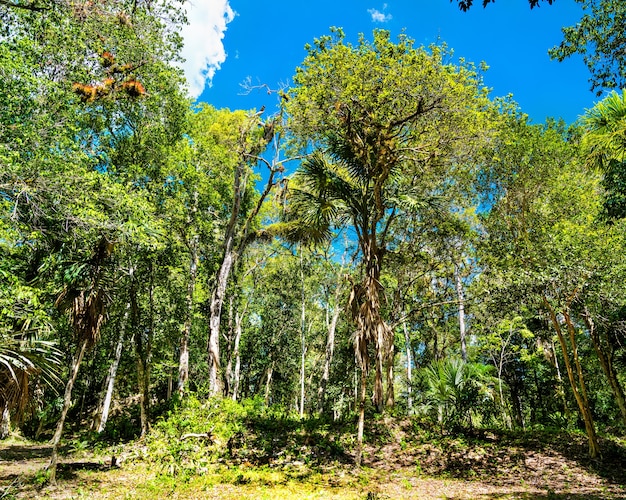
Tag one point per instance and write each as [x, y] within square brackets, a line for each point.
[263, 42]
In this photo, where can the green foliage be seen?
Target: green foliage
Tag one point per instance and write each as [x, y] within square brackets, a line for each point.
[454, 390]
[599, 38]
[119, 200]
[605, 130]
[192, 435]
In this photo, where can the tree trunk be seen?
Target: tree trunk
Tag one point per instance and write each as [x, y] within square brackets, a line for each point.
[606, 362]
[237, 357]
[330, 349]
[378, 329]
[361, 423]
[576, 381]
[302, 335]
[461, 298]
[409, 368]
[228, 378]
[268, 383]
[144, 388]
[67, 401]
[499, 363]
[103, 410]
[391, 359]
[234, 245]
[217, 301]
[183, 363]
[5, 422]
[594, 447]
[221, 280]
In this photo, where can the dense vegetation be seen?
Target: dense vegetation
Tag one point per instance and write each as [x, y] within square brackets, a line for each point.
[392, 241]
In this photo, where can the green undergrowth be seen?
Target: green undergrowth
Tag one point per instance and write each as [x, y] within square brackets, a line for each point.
[218, 448]
[196, 434]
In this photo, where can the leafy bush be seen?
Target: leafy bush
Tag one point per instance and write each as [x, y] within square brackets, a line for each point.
[194, 434]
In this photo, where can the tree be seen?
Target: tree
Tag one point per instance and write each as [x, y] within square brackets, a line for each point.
[388, 125]
[246, 137]
[605, 148]
[465, 5]
[543, 236]
[599, 38]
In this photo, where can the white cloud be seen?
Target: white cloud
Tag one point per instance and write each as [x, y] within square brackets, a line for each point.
[203, 50]
[378, 16]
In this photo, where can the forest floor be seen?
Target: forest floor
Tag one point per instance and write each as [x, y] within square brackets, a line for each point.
[397, 465]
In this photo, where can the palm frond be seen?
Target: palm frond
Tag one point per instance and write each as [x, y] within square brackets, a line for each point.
[605, 126]
[21, 359]
[317, 199]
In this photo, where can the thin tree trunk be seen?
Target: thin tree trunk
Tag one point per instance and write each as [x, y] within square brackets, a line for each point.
[461, 298]
[391, 359]
[228, 379]
[594, 447]
[217, 301]
[144, 397]
[559, 378]
[576, 381]
[268, 383]
[361, 423]
[499, 363]
[237, 357]
[330, 349]
[505, 420]
[103, 411]
[302, 334]
[409, 368]
[183, 363]
[67, 401]
[606, 362]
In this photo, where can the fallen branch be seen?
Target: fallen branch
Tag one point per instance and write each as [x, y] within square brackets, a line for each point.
[204, 435]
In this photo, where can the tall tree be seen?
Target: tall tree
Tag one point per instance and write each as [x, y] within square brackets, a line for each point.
[389, 123]
[246, 137]
[542, 236]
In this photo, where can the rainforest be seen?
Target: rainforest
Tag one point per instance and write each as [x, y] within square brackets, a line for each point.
[391, 285]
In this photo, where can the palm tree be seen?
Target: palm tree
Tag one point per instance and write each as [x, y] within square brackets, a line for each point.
[605, 142]
[23, 356]
[388, 121]
[85, 299]
[330, 190]
[454, 387]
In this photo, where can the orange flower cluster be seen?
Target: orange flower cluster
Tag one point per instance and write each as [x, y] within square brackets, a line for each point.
[131, 86]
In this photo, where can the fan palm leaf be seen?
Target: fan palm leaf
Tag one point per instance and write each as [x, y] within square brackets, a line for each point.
[22, 358]
[605, 126]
